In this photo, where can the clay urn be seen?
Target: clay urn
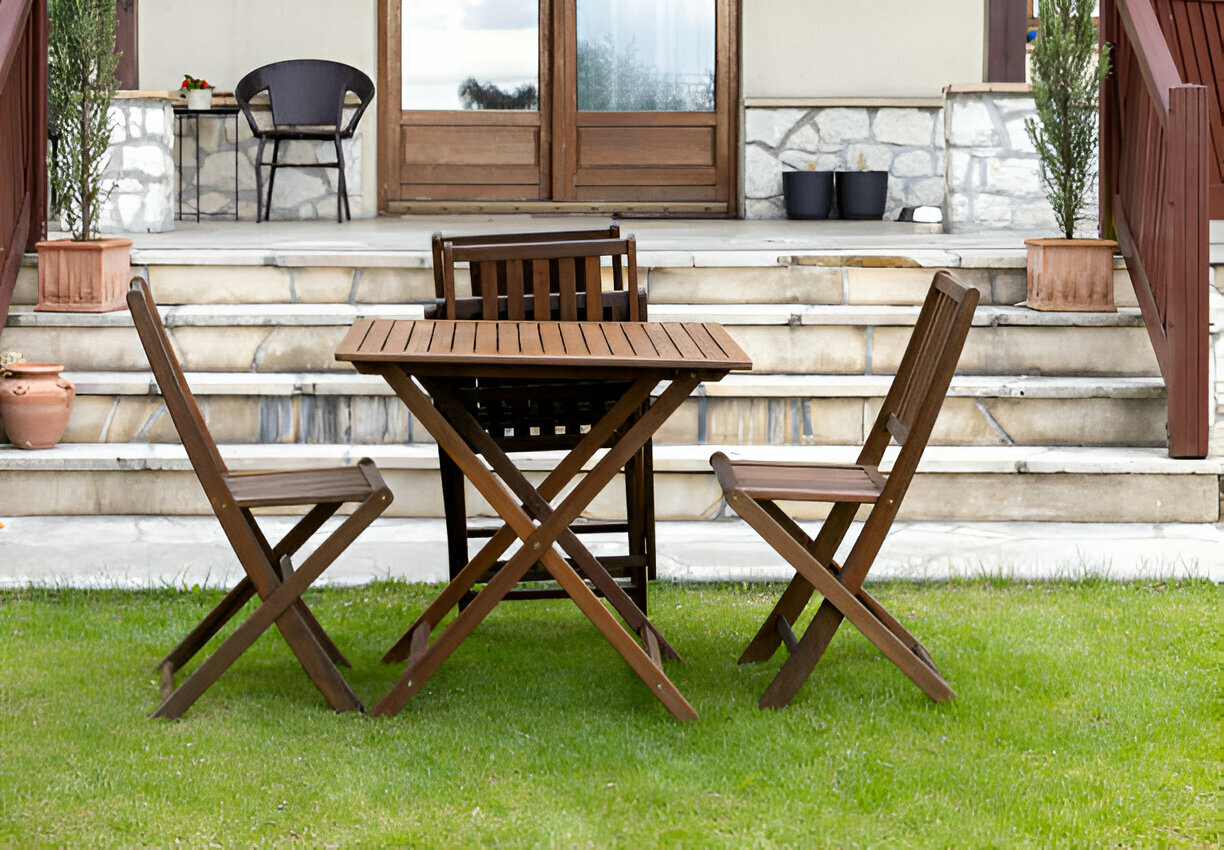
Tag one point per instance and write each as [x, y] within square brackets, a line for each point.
[35, 403]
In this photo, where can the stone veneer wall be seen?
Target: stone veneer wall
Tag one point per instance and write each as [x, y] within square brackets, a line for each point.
[144, 159]
[140, 166]
[970, 156]
[300, 193]
[905, 141]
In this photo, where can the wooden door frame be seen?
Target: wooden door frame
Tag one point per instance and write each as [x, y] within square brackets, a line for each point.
[556, 99]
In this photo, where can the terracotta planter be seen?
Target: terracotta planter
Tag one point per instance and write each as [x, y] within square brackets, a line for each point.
[83, 277]
[1071, 274]
[35, 403]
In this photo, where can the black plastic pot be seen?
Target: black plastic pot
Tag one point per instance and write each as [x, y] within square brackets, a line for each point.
[808, 194]
[862, 194]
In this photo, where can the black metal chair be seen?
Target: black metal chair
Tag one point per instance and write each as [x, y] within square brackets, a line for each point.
[307, 101]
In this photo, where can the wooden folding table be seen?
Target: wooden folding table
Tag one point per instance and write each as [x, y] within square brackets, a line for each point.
[442, 355]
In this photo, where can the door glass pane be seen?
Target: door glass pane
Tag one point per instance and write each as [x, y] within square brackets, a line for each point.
[649, 55]
[470, 54]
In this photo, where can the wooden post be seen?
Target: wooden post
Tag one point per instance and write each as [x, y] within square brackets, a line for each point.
[1006, 26]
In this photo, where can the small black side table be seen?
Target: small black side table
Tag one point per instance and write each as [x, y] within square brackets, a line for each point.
[181, 114]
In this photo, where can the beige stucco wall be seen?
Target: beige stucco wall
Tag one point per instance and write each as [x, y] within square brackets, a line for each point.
[223, 39]
[860, 48]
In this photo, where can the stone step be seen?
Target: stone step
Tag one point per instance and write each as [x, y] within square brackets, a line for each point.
[953, 484]
[326, 407]
[780, 338]
[255, 276]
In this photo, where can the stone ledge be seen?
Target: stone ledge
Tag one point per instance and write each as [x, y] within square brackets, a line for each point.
[223, 315]
[733, 386]
[339, 315]
[843, 102]
[972, 460]
[988, 88]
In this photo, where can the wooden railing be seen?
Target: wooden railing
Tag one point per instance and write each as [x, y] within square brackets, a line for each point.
[23, 137]
[1154, 167]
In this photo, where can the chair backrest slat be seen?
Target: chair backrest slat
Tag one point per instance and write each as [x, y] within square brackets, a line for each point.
[540, 289]
[188, 420]
[567, 288]
[612, 231]
[593, 280]
[544, 280]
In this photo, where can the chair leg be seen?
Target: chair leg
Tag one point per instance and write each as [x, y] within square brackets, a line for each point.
[454, 509]
[282, 606]
[342, 193]
[272, 177]
[797, 594]
[838, 602]
[259, 181]
[802, 661]
[212, 623]
[636, 485]
[279, 557]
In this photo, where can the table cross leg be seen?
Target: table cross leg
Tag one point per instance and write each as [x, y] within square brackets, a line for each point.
[535, 502]
[537, 543]
[556, 480]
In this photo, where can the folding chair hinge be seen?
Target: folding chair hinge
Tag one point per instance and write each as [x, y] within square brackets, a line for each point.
[786, 633]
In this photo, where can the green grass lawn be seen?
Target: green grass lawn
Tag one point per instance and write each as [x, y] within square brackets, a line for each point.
[1087, 715]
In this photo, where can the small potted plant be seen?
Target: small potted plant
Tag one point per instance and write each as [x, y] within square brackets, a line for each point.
[808, 194]
[1067, 273]
[197, 91]
[86, 273]
[862, 194]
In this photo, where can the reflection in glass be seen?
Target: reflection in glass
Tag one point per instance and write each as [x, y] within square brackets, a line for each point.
[470, 54]
[649, 55]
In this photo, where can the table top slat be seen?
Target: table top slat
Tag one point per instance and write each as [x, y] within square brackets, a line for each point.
[465, 338]
[662, 342]
[571, 336]
[640, 340]
[397, 340]
[679, 335]
[486, 338]
[443, 337]
[705, 342]
[355, 335]
[595, 341]
[550, 337]
[725, 343]
[529, 339]
[376, 338]
[422, 335]
[615, 334]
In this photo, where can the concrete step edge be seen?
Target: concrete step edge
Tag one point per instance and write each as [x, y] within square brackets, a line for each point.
[735, 385]
[342, 315]
[977, 460]
[129, 551]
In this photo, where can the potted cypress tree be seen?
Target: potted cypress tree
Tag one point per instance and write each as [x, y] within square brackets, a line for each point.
[1067, 273]
[86, 273]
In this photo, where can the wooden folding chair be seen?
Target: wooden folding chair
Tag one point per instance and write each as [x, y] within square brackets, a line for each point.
[754, 490]
[269, 570]
[541, 280]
